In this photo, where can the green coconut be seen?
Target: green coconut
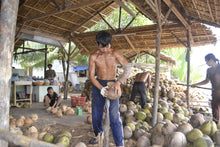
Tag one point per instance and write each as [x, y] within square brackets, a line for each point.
[48, 138]
[163, 110]
[66, 133]
[194, 134]
[203, 142]
[168, 116]
[140, 115]
[146, 110]
[64, 140]
[209, 128]
[130, 103]
[132, 126]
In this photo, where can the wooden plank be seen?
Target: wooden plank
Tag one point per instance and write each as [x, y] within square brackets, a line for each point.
[8, 17]
[210, 11]
[120, 3]
[119, 20]
[72, 7]
[157, 67]
[180, 17]
[143, 11]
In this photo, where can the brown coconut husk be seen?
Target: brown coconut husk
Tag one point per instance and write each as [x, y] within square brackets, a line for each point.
[34, 117]
[89, 119]
[28, 122]
[59, 114]
[69, 112]
[19, 122]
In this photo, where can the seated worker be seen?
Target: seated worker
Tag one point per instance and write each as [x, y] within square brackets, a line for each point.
[50, 74]
[139, 86]
[52, 99]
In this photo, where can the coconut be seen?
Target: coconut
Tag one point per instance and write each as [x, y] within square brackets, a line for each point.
[28, 122]
[48, 138]
[158, 139]
[203, 142]
[129, 113]
[163, 104]
[63, 108]
[69, 112]
[16, 131]
[54, 110]
[185, 128]
[168, 128]
[89, 119]
[33, 129]
[163, 110]
[59, 114]
[217, 137]
[123, 108]
[197, 120]
[80, 144]
[138, 133]
[168, 116]
[159, 117]
[132, 126]
[178, 117]
[132, 107]
[34, 117]
[64, 140]
[177, 139]
[143, 141]
[127, 132]
[157, 129]
[12, 123]
[19, 122]
[41, 135]
[209, 128]
[10, 117]
[140, 115]
[49, 109]
[22, 117]
[194, 134]
[170, 94]
[66, 133]
[171, 111]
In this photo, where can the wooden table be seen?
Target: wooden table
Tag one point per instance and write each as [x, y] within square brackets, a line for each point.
[28, 83]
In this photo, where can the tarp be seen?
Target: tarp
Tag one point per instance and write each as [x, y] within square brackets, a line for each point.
[78, 68]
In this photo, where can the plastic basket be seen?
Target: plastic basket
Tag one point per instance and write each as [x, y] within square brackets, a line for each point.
[78, 101]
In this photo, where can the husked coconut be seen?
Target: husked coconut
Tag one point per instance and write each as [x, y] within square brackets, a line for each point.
[157, 129]
[143, 141]
[16, 131]
[34, 117]
[59, 114]
[89, 119]
[49, 109]
[177, 139]
[168, 128]
[54, 110]
[19, 122]
[197, 120]
[217, 137]
[132, 107]
[63, 108]
[159, 117]
[28, 122]
[22, 117]
[69, 112]
[185, 128]
[127, 132]
[168, 116]
[178, 117]
[123, 108]
[138, 133]
[33, 129]
[170, 94]
[80, 144]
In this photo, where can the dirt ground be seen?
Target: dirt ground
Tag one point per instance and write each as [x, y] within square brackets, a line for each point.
[77, 125]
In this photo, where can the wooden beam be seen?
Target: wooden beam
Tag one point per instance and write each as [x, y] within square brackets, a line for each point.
[130, 22]
[121, 4]
[63, 47]
[94, 15]
[180, 17]
[72, 7]
[8, 17]
[195, 5]
[210, 11]
[106, 22]
[151, 4]
[56, 4]
[17, 39]
[19, 30]
[22, 3]
[74, 55]
[73, 51]
[129, 42]
[77, 42]
[167, 14]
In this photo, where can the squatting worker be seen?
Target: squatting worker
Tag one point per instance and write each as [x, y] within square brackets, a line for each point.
[213, 75]
[50, 73]
[139, 86]
[103, 61]
[52, 99]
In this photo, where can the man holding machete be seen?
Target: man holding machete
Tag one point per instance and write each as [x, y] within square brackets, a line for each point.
[103, 62]
[213, 75]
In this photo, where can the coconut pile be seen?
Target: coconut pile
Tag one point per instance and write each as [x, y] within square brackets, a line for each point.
[60, 111]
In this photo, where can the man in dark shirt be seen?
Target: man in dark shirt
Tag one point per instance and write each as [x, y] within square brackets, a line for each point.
[52, 99]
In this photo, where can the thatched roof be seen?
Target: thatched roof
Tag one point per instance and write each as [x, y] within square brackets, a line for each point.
[57, 19]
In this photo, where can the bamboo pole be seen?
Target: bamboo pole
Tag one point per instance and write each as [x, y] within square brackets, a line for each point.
[8, 18]
[23, 141]
[188, 66]
[157, 67]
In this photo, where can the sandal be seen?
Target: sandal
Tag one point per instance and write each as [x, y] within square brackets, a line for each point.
[93, 141]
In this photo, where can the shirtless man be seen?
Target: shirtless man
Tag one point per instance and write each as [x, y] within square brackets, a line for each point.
[139, 86]
[103, 61]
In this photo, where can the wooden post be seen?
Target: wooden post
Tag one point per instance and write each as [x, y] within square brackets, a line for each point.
[188, 65]
[157, 67]
[67, 72]
[8, 18]
[45, 62]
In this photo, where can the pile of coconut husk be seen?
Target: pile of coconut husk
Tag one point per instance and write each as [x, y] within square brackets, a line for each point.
[60, 111]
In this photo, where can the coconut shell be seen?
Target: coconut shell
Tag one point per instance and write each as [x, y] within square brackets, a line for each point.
[34, 117]
[28, 122]
[89, 119]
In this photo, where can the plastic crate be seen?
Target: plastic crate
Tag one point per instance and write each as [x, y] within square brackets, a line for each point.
[78, 101]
